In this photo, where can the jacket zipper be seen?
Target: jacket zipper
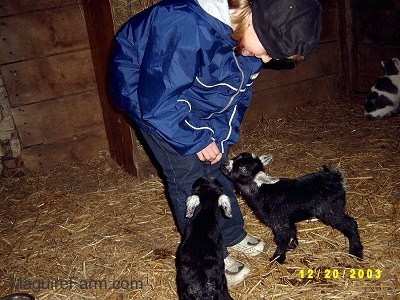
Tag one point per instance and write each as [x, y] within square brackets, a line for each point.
[233, 97]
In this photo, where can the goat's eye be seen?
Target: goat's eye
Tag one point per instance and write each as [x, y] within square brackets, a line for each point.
[243, 169]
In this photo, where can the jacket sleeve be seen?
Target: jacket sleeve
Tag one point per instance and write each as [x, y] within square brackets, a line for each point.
[124, 75]
[150, 77]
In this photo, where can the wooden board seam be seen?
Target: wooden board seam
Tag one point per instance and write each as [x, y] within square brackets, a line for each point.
[44, 9]
[56, 98]
[74, 137]
[44, 56]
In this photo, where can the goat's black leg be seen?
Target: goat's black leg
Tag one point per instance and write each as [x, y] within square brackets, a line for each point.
[293, 241]
[348, 226]
[283, 232]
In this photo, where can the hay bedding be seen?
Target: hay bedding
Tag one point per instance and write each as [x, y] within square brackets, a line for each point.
[94, 222]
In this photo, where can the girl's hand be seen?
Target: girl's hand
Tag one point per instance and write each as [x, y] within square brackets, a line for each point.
[210, 153]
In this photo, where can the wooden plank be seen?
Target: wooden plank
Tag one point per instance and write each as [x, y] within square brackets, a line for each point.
[78, 149]
[377, 38]
[42, 33]
[100, 27]
[315, 66]
[328, 4]
[12, 7]
[378, 27]
[365, 82]
[346, 53]
[280, 101]
[58, 119]
[55, 76]
[371, 56]
[329, 26]
[369, 66]
[374, 5]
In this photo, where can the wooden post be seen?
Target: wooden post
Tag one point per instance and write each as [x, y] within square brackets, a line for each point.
[120, 135]
[346, 48]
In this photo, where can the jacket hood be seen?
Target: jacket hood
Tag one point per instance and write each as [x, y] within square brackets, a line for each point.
[215, 14]
[219, 9]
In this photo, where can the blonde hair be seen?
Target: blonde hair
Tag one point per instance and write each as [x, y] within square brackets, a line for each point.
[241, 10]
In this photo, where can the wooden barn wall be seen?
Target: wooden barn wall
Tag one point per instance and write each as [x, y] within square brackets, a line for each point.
[48, 72]
[376, 38]
[317, 79]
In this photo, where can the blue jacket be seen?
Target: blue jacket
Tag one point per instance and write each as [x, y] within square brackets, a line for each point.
[175, 72]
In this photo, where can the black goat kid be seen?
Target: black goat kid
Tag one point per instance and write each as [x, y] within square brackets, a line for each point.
[200, 261]
[281, 202]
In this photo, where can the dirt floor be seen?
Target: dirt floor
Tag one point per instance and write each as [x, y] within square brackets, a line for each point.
[93, 232]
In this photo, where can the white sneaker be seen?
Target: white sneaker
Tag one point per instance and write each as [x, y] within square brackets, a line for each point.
[250, 246]
[235, 271]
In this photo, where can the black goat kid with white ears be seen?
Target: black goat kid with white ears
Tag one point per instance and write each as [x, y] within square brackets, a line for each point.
[200, 261]
[281, 202]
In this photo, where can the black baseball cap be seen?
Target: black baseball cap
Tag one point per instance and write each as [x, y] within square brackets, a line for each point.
[287, 27]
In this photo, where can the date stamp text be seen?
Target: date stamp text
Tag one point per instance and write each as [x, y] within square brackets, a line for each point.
[335, 273]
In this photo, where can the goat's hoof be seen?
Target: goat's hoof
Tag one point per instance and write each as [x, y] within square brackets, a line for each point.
[278, 258]
[293, 244]
[357, 252]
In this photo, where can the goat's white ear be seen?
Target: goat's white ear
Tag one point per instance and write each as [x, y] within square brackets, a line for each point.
[397, 63]
[191, 203]
[262, 178]
[266, 159]
[225, 203]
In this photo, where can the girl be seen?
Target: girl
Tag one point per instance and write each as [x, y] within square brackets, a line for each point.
[184, 69]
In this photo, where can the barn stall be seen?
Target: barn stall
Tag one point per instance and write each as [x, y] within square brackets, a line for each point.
[79, 207]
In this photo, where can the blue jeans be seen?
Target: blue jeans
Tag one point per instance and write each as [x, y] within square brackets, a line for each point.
[181, 172]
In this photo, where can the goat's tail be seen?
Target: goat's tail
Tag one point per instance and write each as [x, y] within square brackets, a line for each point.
[335, 171]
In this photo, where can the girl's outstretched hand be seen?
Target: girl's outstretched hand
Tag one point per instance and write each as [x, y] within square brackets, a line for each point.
[210, 153]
